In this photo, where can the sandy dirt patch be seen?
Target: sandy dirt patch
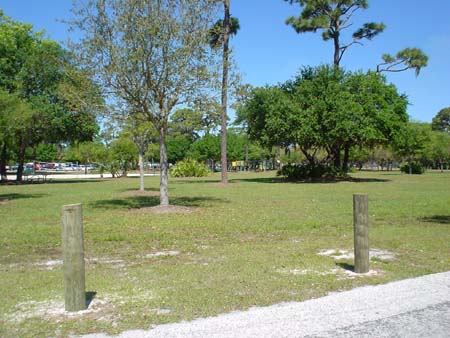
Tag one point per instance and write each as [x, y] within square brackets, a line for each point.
[167, 209]
[340, 273]
[339, 254]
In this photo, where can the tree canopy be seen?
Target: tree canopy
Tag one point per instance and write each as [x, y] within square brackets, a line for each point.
[152, 55]
[325, 108]
[442, 120]
[51, 99]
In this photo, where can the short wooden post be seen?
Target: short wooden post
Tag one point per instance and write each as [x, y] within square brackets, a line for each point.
[361, 232]
[73, 257]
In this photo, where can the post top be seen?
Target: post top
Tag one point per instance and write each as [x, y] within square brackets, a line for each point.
[71, 206]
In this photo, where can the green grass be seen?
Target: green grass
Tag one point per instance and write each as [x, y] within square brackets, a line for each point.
[236, 250]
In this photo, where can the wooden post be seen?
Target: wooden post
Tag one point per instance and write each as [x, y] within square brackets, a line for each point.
[73, 257]
[361, 232]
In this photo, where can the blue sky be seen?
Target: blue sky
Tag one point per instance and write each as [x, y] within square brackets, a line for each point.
[268, 52]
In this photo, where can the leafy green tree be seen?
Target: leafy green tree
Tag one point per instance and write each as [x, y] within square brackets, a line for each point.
[411, 141]
[123, 154]
[325, 108]
[178, 147]
[62, 101]
[46, 152]
[153, 55]
[14, 115]
[206, 149]
[442, 120]
[439, 149]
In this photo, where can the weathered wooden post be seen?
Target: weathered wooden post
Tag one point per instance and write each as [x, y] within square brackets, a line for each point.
[361, 232]
[73, 257]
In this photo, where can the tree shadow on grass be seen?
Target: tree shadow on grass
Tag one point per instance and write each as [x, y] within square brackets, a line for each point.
[14, 196]
[442, 219]
[323, 181]
[137, 202]
[137, 190]
[76, 180]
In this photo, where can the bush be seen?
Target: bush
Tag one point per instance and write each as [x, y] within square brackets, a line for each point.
[415, 167]
[189, 168]
[308, 171]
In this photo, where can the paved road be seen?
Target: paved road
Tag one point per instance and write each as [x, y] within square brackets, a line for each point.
[418, 307]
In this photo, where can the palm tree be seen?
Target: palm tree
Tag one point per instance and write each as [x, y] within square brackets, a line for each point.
[220, 36]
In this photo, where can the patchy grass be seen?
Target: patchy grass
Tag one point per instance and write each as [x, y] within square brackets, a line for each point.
[254, 242]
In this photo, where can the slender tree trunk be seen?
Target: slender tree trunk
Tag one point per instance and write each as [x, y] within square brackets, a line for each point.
[346, 158]
[337, 156]
[164, 165]
[336, 55]
[21, 158]
[226, 38]
[141, 170]
[3, 159]
[246, 150]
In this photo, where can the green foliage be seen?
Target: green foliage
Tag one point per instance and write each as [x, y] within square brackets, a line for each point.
[411, 140]
[178, 147]
[216, 32]
[442, 120]
[408, 58]
[189, 168]
[46, 152]
[415, 168]
[123, 155]
[309, 171]
[326, 109]
[208, 147]
[58, 101]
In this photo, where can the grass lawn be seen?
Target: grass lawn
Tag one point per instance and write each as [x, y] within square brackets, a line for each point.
[251, 243]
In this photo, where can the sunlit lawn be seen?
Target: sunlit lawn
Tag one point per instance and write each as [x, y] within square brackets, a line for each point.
[252, 243]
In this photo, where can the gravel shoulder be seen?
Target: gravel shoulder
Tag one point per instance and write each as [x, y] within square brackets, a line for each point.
[372, 311]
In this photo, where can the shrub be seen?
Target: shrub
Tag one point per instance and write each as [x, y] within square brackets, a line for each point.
[309, 172]
[189, 168]
[415, 168]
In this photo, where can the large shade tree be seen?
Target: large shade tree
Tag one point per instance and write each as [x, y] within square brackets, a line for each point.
[59, 101]
[150, 54]
[326, 109]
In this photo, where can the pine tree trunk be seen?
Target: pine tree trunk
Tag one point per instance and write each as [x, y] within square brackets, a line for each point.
[336, 55]
[226, 38]
[164, 165]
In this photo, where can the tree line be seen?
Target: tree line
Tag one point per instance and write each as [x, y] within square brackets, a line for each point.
[159, 73]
